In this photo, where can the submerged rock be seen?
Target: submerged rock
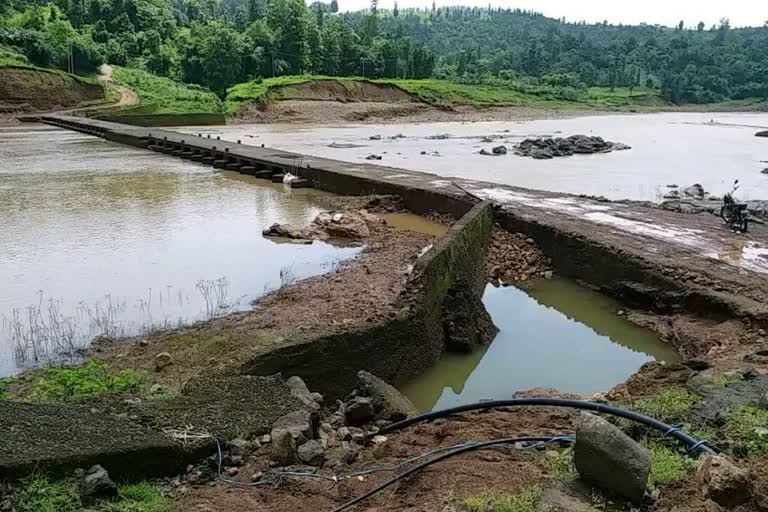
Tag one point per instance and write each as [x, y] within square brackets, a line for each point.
[388, 402]
[96, 485]
[546, 148]
[609, 459]
[373, 157]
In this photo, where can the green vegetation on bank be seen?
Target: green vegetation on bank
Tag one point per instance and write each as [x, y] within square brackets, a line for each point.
[159, 95]
[668, 465]
[38, 493]
[747, 426]
[522, 93]
[526, 500]
[69, 383]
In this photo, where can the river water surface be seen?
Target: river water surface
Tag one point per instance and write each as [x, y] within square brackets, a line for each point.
[671, 148]
[100, 238]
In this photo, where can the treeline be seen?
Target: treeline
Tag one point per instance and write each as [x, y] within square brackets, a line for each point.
[217, 43]
[214, 43]
[688, 64]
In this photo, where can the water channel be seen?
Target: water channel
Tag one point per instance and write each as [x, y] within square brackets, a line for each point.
[101, 238]
[671, 148]
[556, 334]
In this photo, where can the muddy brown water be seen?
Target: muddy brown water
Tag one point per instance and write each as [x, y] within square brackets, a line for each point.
[671, 148]
[556, 335]
[100, 238]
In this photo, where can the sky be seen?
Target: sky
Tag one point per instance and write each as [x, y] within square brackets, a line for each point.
[662, 12]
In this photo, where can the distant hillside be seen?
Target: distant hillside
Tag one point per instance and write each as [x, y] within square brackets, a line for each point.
[219, 43]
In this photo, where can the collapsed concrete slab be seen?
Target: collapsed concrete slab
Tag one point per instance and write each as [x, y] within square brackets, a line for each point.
[62, 437]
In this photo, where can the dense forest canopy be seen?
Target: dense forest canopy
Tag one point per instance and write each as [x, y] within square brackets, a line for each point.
[217, 43]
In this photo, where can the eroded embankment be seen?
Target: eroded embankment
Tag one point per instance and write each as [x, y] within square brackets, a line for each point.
[25, 89]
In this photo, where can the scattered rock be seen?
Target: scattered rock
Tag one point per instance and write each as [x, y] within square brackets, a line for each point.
[358, 411]
[374, 137]
[238, 446]
[513, 257]
[156, 389]
[764, 171]
[162, 360]
[300, 390]
[352, 224]
[373, 157]
[546, 148]
[143, 343]
[96, 485]
[312, 453]
[302, 425]
[388, 402]
[231, 472]
[283, 452]
[609, 459]
[499, 150]
[441, 136]
[723, 482]
[762, 134]
[345, 434]
[696, 191]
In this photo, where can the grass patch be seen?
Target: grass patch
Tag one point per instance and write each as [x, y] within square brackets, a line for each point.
[747, 425]
[525, 501]
[10, 57]
[160, 95]
[670, 405]
[668, 465]
[560, 465]
[90, 379]
[5, 386]
[40, 494]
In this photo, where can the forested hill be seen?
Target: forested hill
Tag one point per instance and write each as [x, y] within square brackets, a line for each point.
[218, 43]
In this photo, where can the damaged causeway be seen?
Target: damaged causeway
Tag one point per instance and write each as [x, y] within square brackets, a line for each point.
[639, 266]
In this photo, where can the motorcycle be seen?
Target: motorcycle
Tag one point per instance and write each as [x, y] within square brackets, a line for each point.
[735, 214]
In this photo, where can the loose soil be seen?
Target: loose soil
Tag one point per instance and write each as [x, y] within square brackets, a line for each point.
[26, 90]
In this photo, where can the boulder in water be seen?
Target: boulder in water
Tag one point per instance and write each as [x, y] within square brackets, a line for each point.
[695, 191]
[546, 148]
[762, 134]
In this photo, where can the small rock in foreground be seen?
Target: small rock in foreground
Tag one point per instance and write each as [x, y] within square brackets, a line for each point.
[723, 482]
[609, 459]
[96, 485]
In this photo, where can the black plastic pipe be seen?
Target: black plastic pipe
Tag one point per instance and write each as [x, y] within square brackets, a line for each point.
[691, 443]
[452, 453]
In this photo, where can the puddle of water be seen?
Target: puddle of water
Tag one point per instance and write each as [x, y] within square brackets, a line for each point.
[413, 222]
[99, 238]
[714, 153]
[557, 335]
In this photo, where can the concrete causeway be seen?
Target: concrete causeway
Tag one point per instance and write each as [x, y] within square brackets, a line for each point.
[601, 242]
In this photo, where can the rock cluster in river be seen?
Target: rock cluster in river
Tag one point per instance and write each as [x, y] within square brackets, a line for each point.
[355, 225]
[546, 148]
[762, 134]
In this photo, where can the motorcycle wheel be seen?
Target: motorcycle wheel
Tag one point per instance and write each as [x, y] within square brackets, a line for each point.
[724, 214]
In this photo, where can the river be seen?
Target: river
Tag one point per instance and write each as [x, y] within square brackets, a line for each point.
[670, 148]
[104, 238]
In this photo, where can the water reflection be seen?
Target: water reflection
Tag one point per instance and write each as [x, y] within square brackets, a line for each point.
[112, 239]
[557, 335]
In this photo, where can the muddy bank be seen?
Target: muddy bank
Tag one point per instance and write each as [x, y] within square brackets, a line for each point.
[28, 90]
[378, 112]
